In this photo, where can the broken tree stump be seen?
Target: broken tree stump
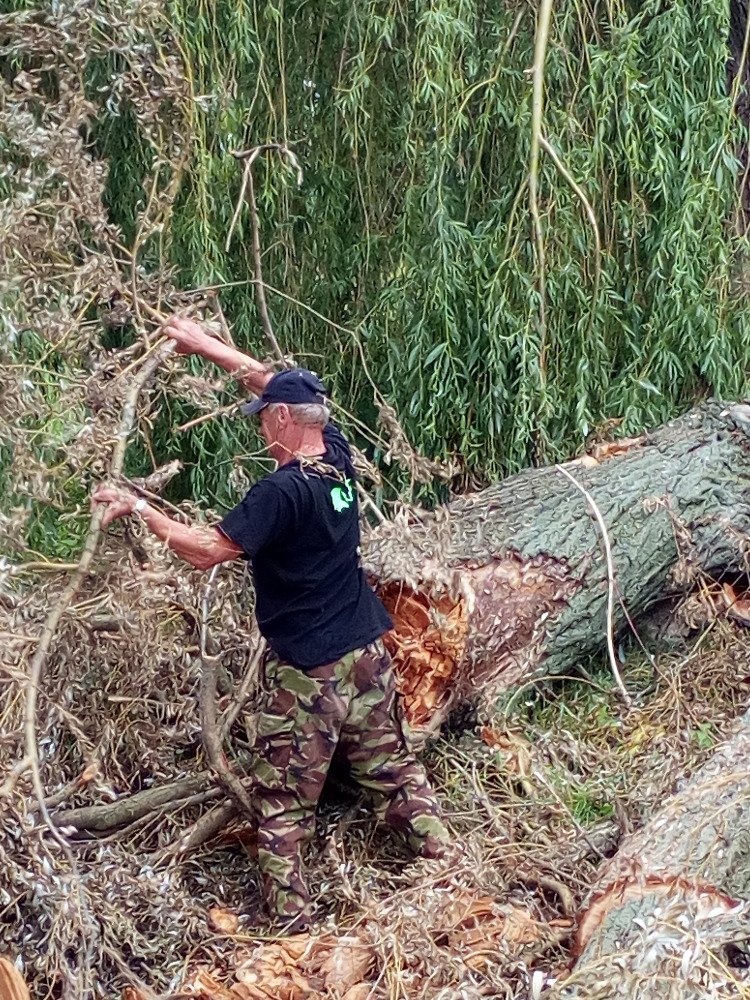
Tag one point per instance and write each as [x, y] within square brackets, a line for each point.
[668, 917]
[511, 583]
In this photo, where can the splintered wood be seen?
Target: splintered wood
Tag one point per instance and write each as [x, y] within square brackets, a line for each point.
[12, 984]
[426, 644]
[447, 650]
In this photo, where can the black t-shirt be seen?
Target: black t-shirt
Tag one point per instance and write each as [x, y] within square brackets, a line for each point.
[300, 528]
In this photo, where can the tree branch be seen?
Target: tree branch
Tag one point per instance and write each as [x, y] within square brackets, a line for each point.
[247, 193]
[132, 807]
[211, 733]
[39, 659]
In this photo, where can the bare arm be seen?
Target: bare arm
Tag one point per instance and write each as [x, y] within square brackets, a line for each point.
[191, 338]
[202, 547]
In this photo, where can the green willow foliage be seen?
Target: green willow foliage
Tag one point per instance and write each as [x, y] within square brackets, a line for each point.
[412, 122]
[412, 228]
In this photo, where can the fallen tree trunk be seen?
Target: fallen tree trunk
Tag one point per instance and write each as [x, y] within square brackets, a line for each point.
[668, 917]
[511, 583]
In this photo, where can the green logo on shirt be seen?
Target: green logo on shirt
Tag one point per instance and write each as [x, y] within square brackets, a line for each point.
[342, 497]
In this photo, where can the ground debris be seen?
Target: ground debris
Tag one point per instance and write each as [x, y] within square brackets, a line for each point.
[535, 801]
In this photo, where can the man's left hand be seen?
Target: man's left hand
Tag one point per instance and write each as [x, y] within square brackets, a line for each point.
[119, 502]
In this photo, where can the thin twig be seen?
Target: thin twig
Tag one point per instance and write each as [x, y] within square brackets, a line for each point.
[247, 193]
[131, 977]
[226, 330]
[211, 734]
[581, 194]
[136, 247]
[368, 503]
[205, 827]
[234, 708]
[47, 567]
[240, 200]
[221, 411]
[539, 776]
[17, 771]
[611, 584]
[265, 319]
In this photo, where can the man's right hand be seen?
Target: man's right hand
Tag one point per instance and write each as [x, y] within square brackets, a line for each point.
[117, 503]
[189, 337]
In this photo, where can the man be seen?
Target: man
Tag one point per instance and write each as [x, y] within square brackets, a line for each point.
[328, 682]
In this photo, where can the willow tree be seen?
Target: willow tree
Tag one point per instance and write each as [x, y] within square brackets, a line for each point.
[510, 280]
[413, 227]
[510, 260]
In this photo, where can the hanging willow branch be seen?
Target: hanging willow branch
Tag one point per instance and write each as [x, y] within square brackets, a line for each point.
[247, 192]
[549, 149]
[537, 115]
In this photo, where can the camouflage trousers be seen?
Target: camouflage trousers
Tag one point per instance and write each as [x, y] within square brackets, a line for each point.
[348, 708]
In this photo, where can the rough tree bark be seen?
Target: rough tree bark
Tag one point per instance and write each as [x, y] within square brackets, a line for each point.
[668, 917]
[511, 583]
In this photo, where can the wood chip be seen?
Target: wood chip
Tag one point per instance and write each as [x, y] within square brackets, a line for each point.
[347, 965]
[12, 983]
[362, 991]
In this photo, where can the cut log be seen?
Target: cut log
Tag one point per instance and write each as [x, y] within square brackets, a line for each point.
[511, 583]
[668, 917]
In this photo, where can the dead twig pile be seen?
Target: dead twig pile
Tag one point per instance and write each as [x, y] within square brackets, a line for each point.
[160, 851]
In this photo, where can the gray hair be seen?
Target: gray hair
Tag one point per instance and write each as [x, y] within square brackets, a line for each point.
[307, 414]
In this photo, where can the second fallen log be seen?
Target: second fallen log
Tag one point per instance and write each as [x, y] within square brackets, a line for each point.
[668, 917]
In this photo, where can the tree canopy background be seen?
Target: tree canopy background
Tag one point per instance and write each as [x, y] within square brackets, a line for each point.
[412, 229]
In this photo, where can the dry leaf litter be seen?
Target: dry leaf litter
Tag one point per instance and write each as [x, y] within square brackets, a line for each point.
[119, 715]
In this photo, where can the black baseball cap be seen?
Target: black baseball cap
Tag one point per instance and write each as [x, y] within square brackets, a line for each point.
[296, 385]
